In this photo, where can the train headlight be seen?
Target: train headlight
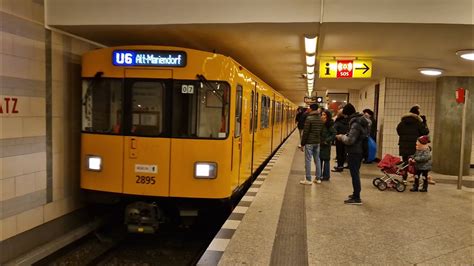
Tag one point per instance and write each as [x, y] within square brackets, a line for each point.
[205, 170]
[94, 163]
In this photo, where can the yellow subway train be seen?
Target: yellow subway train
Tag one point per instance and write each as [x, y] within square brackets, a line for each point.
[169, 124]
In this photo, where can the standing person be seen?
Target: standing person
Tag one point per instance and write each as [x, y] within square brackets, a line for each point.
[411, 126]
[310, 142]
[300, 118]
[422, 160]
[328, 133]
[369, 114]
[358, 128]
[341, 125]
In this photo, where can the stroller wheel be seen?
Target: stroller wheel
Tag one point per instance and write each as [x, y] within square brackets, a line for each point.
[382, 185]
[400, 186]
[376, 181]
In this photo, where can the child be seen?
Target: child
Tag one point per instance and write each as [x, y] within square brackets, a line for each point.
[422, 160]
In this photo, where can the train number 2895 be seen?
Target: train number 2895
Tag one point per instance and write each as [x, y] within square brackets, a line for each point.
[147, 180]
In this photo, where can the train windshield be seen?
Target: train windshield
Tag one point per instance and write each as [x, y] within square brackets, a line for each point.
[200, 109]
[102, 106]
[156, 108]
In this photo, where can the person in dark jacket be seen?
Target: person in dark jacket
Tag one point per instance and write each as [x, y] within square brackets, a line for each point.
[300, 118]
[328, 133]
[341, 125]
[358, 129]
[411, 126]
[310, 142]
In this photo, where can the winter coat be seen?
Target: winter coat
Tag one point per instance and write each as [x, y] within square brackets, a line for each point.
[300, 118]
[423, 159]
[341, 125]
[312, 129]
[409, 129]
[328, 134]
[358, 129]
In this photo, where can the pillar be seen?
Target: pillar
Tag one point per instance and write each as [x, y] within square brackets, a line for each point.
[447, 138]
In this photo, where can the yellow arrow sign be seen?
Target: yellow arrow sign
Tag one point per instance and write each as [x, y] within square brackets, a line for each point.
[345, 68]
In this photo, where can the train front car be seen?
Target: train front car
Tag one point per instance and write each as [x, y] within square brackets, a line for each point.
[155, 127]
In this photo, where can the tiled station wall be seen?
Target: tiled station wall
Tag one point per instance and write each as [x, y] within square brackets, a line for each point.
[396, 97]
[39, 119]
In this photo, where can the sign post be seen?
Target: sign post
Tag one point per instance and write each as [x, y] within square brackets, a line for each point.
[465, 100]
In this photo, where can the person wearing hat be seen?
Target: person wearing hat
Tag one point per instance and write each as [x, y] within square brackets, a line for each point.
[358, 130]
[310, 143]
[411, 126]
[422, 161]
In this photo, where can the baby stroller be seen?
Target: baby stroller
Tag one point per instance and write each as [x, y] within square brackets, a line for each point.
[391, 165]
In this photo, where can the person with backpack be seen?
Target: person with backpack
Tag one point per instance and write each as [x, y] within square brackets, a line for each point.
[358, 129]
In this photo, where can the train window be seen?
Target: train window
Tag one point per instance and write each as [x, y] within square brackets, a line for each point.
[264, 119]
[147, 107]
[200, 109]
[102, 106]
[238, 111]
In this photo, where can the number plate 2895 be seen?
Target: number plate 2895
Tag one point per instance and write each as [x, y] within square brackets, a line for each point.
[145, 180]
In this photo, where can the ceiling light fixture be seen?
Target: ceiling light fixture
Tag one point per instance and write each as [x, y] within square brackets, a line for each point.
[310, 44]
[466, 54]
[310, 69]
[429, 71]
[310, 59]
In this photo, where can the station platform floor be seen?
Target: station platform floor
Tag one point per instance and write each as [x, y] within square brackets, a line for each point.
[281, 222]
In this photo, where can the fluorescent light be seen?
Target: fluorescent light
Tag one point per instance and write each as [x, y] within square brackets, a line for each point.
[310, 44]
[466, 54]
[309, 69]
[310, 76]
[429, 71]
[310, 59]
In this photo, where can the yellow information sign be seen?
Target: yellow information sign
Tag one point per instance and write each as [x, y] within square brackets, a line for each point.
[345, 69]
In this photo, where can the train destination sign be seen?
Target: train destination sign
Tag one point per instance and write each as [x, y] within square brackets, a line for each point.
[149, 58]
[345, 69]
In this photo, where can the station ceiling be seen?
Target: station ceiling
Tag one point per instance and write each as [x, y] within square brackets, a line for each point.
[275, 51]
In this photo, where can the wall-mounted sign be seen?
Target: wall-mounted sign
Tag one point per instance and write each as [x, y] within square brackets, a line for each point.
[8, 105]
[149, 58]
[314, 99]
[345, 69]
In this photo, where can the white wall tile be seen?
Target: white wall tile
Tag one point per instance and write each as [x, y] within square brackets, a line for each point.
[30, 219]
[7, 189]
[8, 227]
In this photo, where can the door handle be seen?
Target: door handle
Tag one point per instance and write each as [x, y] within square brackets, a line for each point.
[133, 143]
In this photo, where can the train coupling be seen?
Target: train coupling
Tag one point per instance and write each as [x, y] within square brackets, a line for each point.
[143, 217]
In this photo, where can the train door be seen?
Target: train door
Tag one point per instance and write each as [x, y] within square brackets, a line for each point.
[237, 139]
[146, 152]
[253, 122]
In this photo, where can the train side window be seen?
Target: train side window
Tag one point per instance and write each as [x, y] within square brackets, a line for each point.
[238, 111]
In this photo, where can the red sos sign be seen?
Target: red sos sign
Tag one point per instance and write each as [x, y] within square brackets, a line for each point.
[344, 68]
